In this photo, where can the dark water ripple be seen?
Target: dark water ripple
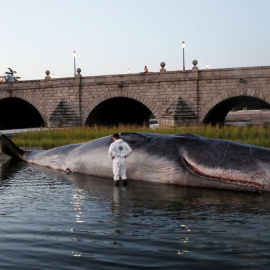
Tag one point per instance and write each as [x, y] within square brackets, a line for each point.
[49, 220]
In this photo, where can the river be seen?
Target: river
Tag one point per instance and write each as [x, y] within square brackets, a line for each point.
[50, 220]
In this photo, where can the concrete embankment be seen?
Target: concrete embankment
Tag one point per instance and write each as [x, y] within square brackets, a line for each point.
[255, 116]
[11, 132]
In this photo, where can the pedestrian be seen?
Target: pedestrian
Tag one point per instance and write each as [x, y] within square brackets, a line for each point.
[145, 69]
[118, 152]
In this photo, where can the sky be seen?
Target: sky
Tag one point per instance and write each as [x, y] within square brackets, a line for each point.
[110, 36]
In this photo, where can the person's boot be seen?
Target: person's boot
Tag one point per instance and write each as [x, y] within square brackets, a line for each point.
[116, 183]
[124, 183]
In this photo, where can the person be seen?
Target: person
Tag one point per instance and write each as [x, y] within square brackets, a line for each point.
[145, 69]
[118, 152]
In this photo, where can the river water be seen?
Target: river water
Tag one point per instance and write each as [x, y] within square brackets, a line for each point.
[50, 220]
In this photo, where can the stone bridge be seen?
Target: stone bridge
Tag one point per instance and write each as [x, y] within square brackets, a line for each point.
[172, 98]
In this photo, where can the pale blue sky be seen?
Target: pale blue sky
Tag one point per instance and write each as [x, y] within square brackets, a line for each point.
[113, 35]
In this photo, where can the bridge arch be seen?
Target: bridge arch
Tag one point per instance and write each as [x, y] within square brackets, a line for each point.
[122, 104]
[215, 111]
[19, 112]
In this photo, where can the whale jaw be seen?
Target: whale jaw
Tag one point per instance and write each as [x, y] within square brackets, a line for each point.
[235, 178]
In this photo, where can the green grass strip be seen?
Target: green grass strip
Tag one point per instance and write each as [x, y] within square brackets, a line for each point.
[257, 135]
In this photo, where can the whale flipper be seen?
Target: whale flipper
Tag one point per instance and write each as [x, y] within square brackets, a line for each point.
[10, 148]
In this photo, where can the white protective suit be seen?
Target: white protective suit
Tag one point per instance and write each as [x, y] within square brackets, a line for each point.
[118, 152]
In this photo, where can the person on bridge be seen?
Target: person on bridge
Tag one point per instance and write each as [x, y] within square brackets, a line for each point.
[145, 69]
[118, 152]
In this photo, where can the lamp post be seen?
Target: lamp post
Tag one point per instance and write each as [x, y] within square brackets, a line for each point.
[183, 45]
[74, 55]
[207, 65]
[128, 70]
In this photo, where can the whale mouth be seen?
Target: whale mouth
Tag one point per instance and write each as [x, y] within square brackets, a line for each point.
[239, 182]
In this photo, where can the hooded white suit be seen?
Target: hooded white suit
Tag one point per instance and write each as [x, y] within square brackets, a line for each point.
[118, 152]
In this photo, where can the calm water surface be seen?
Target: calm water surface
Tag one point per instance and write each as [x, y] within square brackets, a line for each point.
[50, 220]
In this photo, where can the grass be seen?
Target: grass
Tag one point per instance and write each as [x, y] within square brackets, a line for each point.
[257, 135]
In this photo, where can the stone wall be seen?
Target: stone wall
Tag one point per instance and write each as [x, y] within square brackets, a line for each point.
[175, 97]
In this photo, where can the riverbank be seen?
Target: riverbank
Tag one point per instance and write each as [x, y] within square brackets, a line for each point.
[256, 135]
[251, 116]
[12, 132]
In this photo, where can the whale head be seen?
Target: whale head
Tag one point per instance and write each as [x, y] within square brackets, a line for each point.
[193, 160]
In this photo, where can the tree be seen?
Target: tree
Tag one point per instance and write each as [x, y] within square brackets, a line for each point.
[11, 73]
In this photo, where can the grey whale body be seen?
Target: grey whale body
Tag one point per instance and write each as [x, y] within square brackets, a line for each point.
[185, 159]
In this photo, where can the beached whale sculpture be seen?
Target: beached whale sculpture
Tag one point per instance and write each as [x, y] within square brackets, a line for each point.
[185, 159]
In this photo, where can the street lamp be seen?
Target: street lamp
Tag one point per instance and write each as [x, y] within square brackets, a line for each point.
[128, 70]
[74, 55]
[183, 45]
[207, 65]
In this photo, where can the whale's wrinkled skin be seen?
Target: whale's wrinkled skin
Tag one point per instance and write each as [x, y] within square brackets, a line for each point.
[185, 159]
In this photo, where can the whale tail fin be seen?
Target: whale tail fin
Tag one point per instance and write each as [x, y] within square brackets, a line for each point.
[9, 148]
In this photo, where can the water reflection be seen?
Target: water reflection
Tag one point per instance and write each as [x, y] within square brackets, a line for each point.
[10, 167]
[116, 201]
[119, 204]
[139, 192]
[78, 202]
[78, 198]
[165, 226]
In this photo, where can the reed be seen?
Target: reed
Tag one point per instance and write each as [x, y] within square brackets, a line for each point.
[257, 135]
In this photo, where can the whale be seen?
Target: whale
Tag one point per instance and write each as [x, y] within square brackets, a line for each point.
[184, 159]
